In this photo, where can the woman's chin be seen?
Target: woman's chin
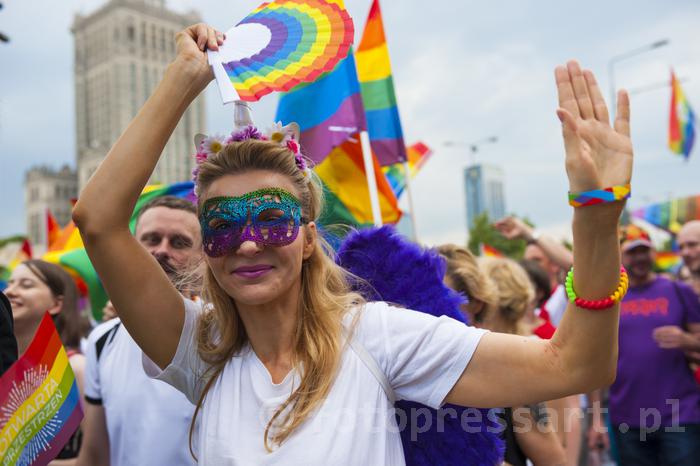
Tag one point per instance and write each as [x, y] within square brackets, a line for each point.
[253, 295]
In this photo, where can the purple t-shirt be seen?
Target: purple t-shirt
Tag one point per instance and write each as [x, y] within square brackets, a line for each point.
[650, 378]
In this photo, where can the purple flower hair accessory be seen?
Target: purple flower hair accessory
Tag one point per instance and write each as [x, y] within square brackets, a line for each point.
[249, 132]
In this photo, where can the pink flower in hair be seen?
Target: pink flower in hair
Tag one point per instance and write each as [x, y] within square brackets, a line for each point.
[293, 146]
[201, 157]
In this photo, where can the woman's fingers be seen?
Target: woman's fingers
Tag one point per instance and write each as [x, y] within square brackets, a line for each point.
[622, 116]
[599, 108]
[578, 83]
[572, 141]
[565, 91]
[205, 36]
[200, 35]
[212, 39]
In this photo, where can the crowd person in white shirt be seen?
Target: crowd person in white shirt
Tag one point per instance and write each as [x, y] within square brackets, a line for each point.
[130, 418]
[265, 357]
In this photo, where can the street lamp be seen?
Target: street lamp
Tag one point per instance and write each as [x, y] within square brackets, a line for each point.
[473, 146]
[624, 56]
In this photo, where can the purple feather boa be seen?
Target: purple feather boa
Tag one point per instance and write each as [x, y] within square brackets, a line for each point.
[403, 273]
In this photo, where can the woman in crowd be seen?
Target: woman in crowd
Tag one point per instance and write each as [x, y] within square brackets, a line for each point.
[499, 296]
[530, 434]
[36, 287]
[463, 275]
[265, 357]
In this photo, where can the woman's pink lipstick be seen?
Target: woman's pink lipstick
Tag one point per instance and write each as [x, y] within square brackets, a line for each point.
[252, 271]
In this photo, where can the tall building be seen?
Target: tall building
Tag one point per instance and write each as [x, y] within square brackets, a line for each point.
[46, 188]
[484, 188]
[121, 53]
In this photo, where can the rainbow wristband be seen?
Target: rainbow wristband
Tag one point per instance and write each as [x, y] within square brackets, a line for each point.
[600, 304]
[600, 196]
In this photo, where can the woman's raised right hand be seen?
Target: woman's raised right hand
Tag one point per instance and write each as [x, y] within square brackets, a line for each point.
[192, 44]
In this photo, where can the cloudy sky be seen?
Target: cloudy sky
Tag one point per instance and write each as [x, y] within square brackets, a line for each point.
[464, 70]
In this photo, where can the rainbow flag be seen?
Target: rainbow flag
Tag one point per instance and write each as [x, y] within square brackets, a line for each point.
[330, 114]
[53, 229]
[13, 250]
[490, 251]
[328, 110]
[39, 400]
[681, 127]
[378, 96]
[417, 155]
[667, 261]
[670, 215]
[346, 193]
[183, 190]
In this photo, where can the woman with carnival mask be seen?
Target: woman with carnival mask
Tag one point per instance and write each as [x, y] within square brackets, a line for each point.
[274, 358]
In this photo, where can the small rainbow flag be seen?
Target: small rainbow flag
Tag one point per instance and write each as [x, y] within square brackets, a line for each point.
[490, 251]
[377, 87]
[417, 155]
[53, 229]
[39, 402]
[681, 127]
[667, 261]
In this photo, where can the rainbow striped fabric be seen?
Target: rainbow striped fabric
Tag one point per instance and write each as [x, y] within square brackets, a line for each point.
[670, 215]
[346, 192]
[417, 155]
[681, 127]
[183, 190]
[53, 229]
[490, 251]
[330, 114]
[667, 261]
[328, 111]
[307, 38]
[40, 403]
[378, 96]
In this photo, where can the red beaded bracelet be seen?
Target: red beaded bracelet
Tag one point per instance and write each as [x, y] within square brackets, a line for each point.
[598, 304]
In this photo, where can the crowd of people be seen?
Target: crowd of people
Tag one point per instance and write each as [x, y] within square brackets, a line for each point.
[225, 338]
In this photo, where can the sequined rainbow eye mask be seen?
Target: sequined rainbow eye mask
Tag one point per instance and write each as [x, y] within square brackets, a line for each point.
[268, 216]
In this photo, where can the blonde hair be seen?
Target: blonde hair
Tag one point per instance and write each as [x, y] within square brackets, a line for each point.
[514, 289]
[325, 295]
[464, 273]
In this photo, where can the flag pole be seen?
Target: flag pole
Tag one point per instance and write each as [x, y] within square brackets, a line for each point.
[371, 178]
[411, 208]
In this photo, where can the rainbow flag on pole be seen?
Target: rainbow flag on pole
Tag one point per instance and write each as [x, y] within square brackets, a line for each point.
[417, 155]
[346, 193]
[681, 127]
[378, 96]
[39, 402]
[330, 114]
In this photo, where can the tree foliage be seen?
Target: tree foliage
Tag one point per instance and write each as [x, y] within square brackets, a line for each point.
[484, 232]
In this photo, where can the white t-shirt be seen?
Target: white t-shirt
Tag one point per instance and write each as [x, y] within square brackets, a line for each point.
[422, 357]
[147, 421]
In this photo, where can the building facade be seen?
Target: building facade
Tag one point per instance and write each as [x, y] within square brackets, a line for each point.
[47, 189]
[121, 53]
[484, 185]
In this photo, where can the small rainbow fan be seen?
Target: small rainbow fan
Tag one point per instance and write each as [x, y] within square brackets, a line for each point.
[279, 45]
